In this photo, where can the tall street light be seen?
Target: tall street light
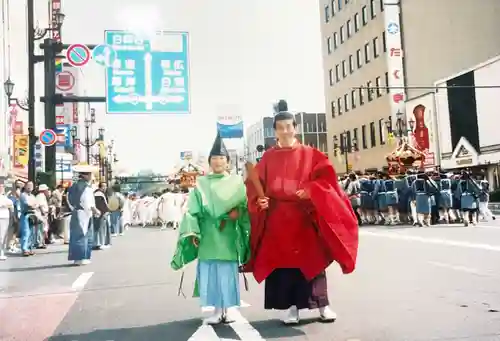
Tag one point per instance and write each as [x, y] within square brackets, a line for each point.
[399, 128]
[89, 142]
[345, 148]
[34, 34]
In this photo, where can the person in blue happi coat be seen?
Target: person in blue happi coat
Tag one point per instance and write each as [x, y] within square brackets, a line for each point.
[468, 191]
[446, 199]
[380, 198]
[424, 189]
[392, 201]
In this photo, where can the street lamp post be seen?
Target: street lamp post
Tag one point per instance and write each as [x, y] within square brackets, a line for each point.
[34, 34]
[345, 148]
[400, 129]
[89, 142]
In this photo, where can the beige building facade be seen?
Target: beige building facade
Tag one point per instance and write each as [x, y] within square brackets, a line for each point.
[379, 54]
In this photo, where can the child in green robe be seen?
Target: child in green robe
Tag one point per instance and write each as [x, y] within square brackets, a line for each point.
[215, 230]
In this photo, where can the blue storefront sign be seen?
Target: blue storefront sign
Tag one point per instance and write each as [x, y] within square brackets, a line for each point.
[230, 131]
[63, 132]
[146, 75]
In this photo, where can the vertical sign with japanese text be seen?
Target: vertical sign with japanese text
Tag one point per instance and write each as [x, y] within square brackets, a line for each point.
[394, 57]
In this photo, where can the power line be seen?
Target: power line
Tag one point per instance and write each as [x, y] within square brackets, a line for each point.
[428, 87]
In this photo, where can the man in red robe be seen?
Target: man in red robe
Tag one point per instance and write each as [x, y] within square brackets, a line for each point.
[301, 223]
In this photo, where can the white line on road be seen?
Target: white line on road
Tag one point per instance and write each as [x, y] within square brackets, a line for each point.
[81, 281]
[461, 269]
[433, 241]
[204, 333]
[244, 329]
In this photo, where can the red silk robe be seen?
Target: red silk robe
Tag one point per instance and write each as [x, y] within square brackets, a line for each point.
[308, 234]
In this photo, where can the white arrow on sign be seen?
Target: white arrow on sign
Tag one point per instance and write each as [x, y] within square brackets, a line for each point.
[136, 99]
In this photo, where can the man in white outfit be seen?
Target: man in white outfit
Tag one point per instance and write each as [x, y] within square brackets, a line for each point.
[6, 207]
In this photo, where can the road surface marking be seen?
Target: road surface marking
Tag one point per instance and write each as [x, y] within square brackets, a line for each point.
[81, 281]
[433, 241]
[243, 328]
[204, 333]
[462, 269]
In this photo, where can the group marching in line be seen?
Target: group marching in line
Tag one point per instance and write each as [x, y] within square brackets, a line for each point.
[421, 199]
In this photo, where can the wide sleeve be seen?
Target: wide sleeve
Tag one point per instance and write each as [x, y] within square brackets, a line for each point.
[186, 251]
[332, 213]
[243, 224]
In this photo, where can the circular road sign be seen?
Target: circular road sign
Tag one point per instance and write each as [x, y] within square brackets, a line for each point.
[48, 137]
[104, 55]
[65, 81]
[78, 55]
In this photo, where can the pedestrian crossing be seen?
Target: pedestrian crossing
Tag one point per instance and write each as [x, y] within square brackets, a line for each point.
[241, 327]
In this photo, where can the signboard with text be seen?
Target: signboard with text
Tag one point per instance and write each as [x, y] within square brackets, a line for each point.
[148, 75]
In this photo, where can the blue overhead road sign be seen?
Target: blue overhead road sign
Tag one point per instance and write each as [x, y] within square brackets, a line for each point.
[149, 75]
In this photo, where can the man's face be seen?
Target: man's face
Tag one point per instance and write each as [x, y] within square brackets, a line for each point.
[29, 187]
[285, 130]
[218, 164]
[87, 176]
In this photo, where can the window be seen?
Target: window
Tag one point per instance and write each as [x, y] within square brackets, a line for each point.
[342, 34]
[346, 102]
[340, 5]
[351, 64]
[369, 90]
[381, 131]
[356, 22]
[339, 106]
[335, 40]
[382, 7]
[330, 74]
[342, 140]
[361, 91]
[334, 2]
[359, 58]
[363, 136]
[329, 45]
[327, 13]
[384, 42]
[378, 82]
[364, 14]
[353, 99]
[337, 72]
[367, 53]
[344, 69]
[373, 10]
[376, 51]
[348, 140]
[373, 135]
[333, 108]
[349, 28]
[355, 136]
[387, 89]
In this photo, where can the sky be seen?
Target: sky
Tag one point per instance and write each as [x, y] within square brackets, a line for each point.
[243, 55]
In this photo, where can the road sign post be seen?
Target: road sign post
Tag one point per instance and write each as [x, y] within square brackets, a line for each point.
[145, 78]
[78, 55]
[48, 137]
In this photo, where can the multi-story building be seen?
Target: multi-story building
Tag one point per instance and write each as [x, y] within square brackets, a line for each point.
[379, 54]
[311, 130]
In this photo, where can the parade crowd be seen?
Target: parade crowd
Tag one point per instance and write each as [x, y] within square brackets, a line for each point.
[421, 199]
[33, 218]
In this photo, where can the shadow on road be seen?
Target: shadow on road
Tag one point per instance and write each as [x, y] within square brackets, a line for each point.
[176, 330]
[181, 330]
[37, 268]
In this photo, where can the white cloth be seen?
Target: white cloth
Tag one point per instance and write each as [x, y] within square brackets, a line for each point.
[87, 201]
[5, 204]
[42, 210]
[170, 207]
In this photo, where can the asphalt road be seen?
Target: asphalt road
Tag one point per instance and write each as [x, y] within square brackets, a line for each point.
[412, 284]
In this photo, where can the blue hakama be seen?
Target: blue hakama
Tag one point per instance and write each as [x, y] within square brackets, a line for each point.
[218, 283]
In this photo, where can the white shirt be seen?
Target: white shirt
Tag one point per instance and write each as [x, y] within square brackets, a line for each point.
[43, 206]
[87, 201]
[5, 203]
